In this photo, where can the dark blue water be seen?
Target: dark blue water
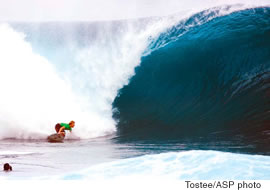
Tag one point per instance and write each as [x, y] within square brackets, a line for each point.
[204, 81]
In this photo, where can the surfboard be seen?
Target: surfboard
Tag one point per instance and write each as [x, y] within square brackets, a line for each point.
[55, 138]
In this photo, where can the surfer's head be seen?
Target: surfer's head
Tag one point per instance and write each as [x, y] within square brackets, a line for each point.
[7, 167]
[72, 124]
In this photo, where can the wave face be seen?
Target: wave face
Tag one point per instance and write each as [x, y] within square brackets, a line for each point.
[205, 76]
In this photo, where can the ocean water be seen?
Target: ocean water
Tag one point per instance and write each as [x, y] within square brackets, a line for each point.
[184, 96]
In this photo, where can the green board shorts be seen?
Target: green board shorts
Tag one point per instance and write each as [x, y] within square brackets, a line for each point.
[58, 127]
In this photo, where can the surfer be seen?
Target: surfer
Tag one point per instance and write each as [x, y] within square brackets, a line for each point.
[61, 127]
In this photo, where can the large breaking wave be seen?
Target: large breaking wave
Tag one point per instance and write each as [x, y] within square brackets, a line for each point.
[197, 72]
[207, 75]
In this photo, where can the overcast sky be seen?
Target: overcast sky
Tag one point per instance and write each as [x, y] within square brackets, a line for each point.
[42, 10]
[84, 10]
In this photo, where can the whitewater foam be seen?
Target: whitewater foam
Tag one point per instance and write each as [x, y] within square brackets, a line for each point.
[34, 97]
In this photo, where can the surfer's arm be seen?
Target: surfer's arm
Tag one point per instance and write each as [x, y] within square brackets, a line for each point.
[61, 130]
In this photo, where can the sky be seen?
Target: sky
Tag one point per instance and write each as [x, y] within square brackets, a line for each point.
[90, 10]
[68, 10]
